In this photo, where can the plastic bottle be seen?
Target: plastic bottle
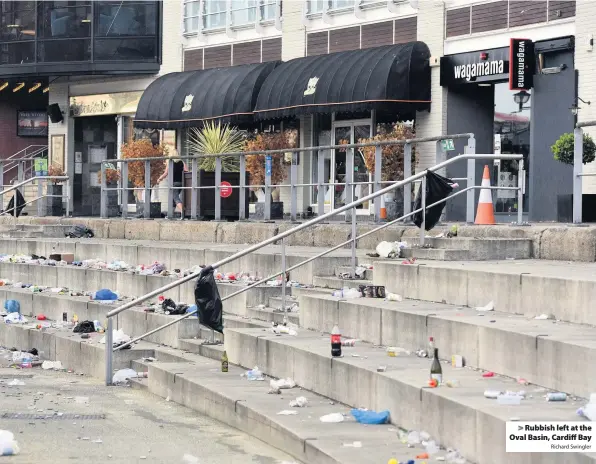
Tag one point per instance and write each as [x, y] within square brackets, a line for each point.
[335, 342]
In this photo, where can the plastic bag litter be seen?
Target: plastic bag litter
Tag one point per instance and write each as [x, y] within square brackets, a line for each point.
[208, 301]
[8, 445]
[355, 444]
[190, 459]
[347, 293]
[255, 374]
[390, 249]
[589, 410]
[286, 412]
[52, 365]
[437, 189]
[490, 306]
[282, 329]
[332, 418]
[15, 318]
[16, 383]
[393, 297]
[104, 295]
[282, 384]
[118, 337]
[364, 416]
[19, 357]
[299, 402]
[360, 271]
[413, 438]
[12, 306]
[122, 376]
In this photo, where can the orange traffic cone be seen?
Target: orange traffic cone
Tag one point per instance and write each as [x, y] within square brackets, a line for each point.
[383, 208]
[485, 214]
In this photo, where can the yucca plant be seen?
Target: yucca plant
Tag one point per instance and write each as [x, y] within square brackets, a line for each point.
[212, 139]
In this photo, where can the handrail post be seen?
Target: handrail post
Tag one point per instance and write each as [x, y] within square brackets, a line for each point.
[470, 149]
[377, 181]
[520, 194]
[124, 186]
[407, 173]
[423, 206]
[283, 275]
[20, 171]
[67, 193]
[320, 182]
[40, 198]
[218, 188]
[109, 350]
[147, 203]
[171, 207]
[268, 168]
[194, 192]
[242, 187]
[293, 188]
[103, 201]
[353, 271]
[2, 190]
[349, 181]
[578, 157]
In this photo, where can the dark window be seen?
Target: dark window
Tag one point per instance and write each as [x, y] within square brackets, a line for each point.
[53, 51]
[116, 19]
[60, 20]
[18, 21]
[17, 53]
[126, 49]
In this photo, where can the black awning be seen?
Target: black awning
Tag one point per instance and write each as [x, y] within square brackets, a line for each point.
[189, 98]
[394, 78]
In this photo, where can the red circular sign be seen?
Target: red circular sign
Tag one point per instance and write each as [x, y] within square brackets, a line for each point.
[225, 189]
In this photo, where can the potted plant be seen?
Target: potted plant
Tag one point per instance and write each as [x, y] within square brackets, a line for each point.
[212, 139]
[255, 164]
[563, 152]
[144, 148]
[112, 178]
[54, 189]
[392, 168]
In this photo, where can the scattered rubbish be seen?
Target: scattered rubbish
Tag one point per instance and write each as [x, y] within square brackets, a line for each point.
[208, 300]
[190, 459]
[422, 354]
[52, 365]
[492, 394]
[84, 327]
[437, 189]
[15, 318]
[390, 249]
[490, 306]
[372, 291]
[544, 317]
[81, 399]
[360, 271]
[104, 295]
[355, 444]
[123, 376]
[286, 412]
[457, 360]
[349, 342]
[8, 445]
[409, 261]
[12, 306]
[255, 374]
[556, 396]
[41, 317]
[335, 342]
[348, 293]
[118, 338]
[452, 383]
[391, 351]
[509, 400]
[393, 297]
[282, 384]
[381, 368]
[332, 418]
[98, 441]
[522, 381]
[431, 447]
[413, 438]
[488, 374]
[422, 456]
[299, 402]
[364, 416]
[282, 329]
[16, 383]
[85, 335]
[589, 410]
[171, 308]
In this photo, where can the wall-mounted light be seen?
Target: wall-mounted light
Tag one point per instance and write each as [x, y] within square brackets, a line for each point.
[19, 87]
[47, 89]
[35, 87]
[3, 86]
[575, 107]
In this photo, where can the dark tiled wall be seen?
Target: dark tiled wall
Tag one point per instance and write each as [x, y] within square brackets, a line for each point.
[501, 14]
[256, 51]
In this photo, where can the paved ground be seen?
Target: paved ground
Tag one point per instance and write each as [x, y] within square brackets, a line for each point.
[138, 427]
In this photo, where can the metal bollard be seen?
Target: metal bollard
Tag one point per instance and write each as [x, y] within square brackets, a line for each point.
[283, 275]
[408, 187]
[293, 188]
[124, 191]
[423, 206]
[109, 350]
[218, 189]
[377, 180]
[268, 169]
[147, 205]
[320, 182]
[242, 187]
[194, 192]
[103, 208]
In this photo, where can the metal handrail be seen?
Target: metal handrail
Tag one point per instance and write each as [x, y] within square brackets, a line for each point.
[280, 237]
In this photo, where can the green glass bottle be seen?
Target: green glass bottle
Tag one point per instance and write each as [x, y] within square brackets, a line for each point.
[224, 362]
[436, 371]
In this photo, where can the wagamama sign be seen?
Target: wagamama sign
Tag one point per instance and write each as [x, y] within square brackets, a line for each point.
[473, 70]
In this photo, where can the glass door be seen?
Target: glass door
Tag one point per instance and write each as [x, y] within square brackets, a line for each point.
[347, 132]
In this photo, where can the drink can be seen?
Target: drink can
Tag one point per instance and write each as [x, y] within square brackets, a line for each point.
[557, 396]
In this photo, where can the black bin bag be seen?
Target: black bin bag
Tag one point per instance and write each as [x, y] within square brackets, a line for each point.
[208, 301]
[437, 188]
[20, 204]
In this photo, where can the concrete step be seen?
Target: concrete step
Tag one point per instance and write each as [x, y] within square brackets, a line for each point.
[243, 404]
[269, 315]
[543, 352]
[456, 417]
[438, 254]
[527, 287]
[276, 303]
[473, 249]
[338, 282]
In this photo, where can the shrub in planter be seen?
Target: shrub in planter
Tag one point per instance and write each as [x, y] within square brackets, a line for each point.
[563, 149]
[212, 139]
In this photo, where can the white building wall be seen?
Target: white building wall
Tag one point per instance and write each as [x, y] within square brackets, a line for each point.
[585, 58]
[293, 39]
[431, 30]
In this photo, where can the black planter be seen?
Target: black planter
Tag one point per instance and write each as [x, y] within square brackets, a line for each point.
[154, 210]
[565, 208]
[54, 203]
[230, 205]
[112, 197]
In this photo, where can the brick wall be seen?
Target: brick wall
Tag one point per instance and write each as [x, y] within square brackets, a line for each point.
[585, 28]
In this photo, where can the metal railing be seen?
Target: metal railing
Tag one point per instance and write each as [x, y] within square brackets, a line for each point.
[41, 207]
[280, 238]
[322, 187]
[578, 174]
[23, 162]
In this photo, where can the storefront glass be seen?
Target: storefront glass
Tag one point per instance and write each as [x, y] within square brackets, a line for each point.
[511, 136]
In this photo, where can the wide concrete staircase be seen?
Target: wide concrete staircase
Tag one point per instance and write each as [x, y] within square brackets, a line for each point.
[524, 353]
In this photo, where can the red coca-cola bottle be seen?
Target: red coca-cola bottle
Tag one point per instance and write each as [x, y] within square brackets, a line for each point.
[335, 342]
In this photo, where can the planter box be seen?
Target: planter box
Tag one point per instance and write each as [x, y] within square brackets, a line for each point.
[565, 208]
[155, 210]
[206, 197]
[54, 203]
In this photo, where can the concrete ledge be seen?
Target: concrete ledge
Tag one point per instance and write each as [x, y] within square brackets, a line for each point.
[457, 417]
[544, 353]
[523, 289]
